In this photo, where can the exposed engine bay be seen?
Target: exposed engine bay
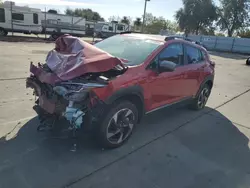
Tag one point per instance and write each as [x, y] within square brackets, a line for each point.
[63, 85]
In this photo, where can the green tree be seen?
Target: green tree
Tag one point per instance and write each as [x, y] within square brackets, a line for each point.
[196, 15]
[154, 25]
[220, 34]
[88, 14]
[137, 23]
[125, 20]
[114, 18]
[244, 33]
[233, 15]
[149, 18]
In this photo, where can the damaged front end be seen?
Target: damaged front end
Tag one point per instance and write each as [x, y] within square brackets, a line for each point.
[63, 86]
[67, 99]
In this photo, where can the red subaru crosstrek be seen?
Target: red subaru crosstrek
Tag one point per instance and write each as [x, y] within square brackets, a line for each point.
[110, 85]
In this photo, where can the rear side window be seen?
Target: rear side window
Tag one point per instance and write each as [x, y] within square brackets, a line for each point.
[35, 18]
[17, 16]
[194, 55]
[204, 55]
[2, 15]
[173, 53]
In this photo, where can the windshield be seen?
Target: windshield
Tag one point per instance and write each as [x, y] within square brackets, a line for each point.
[133, 50]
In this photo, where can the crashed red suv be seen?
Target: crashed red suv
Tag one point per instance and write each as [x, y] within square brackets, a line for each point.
[109, 86]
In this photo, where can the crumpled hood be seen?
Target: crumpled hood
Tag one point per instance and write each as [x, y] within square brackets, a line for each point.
[72, 58]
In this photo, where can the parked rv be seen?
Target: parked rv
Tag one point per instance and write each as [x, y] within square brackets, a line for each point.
[108, 29]
[63, 24]
[89, 28]
[19, 19]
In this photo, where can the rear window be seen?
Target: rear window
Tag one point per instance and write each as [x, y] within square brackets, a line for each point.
[17, 16]
[2, 15]
[194, 55]
[134, 50]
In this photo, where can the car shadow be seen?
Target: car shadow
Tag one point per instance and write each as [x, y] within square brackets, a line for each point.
[229, 55]
[29, 155]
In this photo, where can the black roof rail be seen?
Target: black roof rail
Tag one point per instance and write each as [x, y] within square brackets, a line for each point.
[172, 38]
[183, 38]
[128, 32]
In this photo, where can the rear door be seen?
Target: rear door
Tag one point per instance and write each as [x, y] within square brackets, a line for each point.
[194, 65]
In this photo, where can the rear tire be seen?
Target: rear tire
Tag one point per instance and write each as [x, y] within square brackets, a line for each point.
[248, 61]
[201, 100]
[118, 124]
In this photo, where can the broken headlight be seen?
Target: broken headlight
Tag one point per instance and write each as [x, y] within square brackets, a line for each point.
[76, 91]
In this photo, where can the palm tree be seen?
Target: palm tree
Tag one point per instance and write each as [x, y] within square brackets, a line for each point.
[137, 23]
[125, 20]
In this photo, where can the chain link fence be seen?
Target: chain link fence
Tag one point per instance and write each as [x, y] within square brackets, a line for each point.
[223, 44]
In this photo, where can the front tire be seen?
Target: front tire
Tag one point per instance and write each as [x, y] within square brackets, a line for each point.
[118, 125]
[201, 99]
[3, 32]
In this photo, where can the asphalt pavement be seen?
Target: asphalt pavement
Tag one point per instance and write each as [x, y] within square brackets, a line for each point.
[176, 148]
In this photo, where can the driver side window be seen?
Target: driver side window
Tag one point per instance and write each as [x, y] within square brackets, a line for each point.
[173, 53]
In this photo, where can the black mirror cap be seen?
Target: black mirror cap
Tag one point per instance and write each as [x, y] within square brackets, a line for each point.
[166, 66]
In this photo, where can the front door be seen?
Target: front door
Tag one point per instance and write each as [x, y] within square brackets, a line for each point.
[194, 62]
[167, 87]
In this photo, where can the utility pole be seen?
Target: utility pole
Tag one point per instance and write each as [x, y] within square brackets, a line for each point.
[11, 9]
[144, 14]
[45, 23]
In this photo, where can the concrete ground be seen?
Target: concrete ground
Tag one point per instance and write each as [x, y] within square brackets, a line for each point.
[175, 148]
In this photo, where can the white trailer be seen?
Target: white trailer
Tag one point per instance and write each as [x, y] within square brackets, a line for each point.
[63, 24]
[107, 29]
[19, 19]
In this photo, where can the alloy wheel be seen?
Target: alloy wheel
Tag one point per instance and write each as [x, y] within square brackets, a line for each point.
[2, 32]
[120, 126]
[203, 97]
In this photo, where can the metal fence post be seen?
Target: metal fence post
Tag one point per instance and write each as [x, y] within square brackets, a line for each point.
[233, 45]
[215, 44]
[72, 24]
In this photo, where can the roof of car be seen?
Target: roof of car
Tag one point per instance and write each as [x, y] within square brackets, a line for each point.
[147, 36]
[162, 38]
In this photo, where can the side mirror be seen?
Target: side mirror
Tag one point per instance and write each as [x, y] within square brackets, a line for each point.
[166, 66]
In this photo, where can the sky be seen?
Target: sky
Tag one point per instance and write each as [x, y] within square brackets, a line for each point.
[108, 8]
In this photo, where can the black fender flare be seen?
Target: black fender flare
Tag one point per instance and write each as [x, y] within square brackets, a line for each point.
[129, 93]
[205, 81]
[123, 92]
